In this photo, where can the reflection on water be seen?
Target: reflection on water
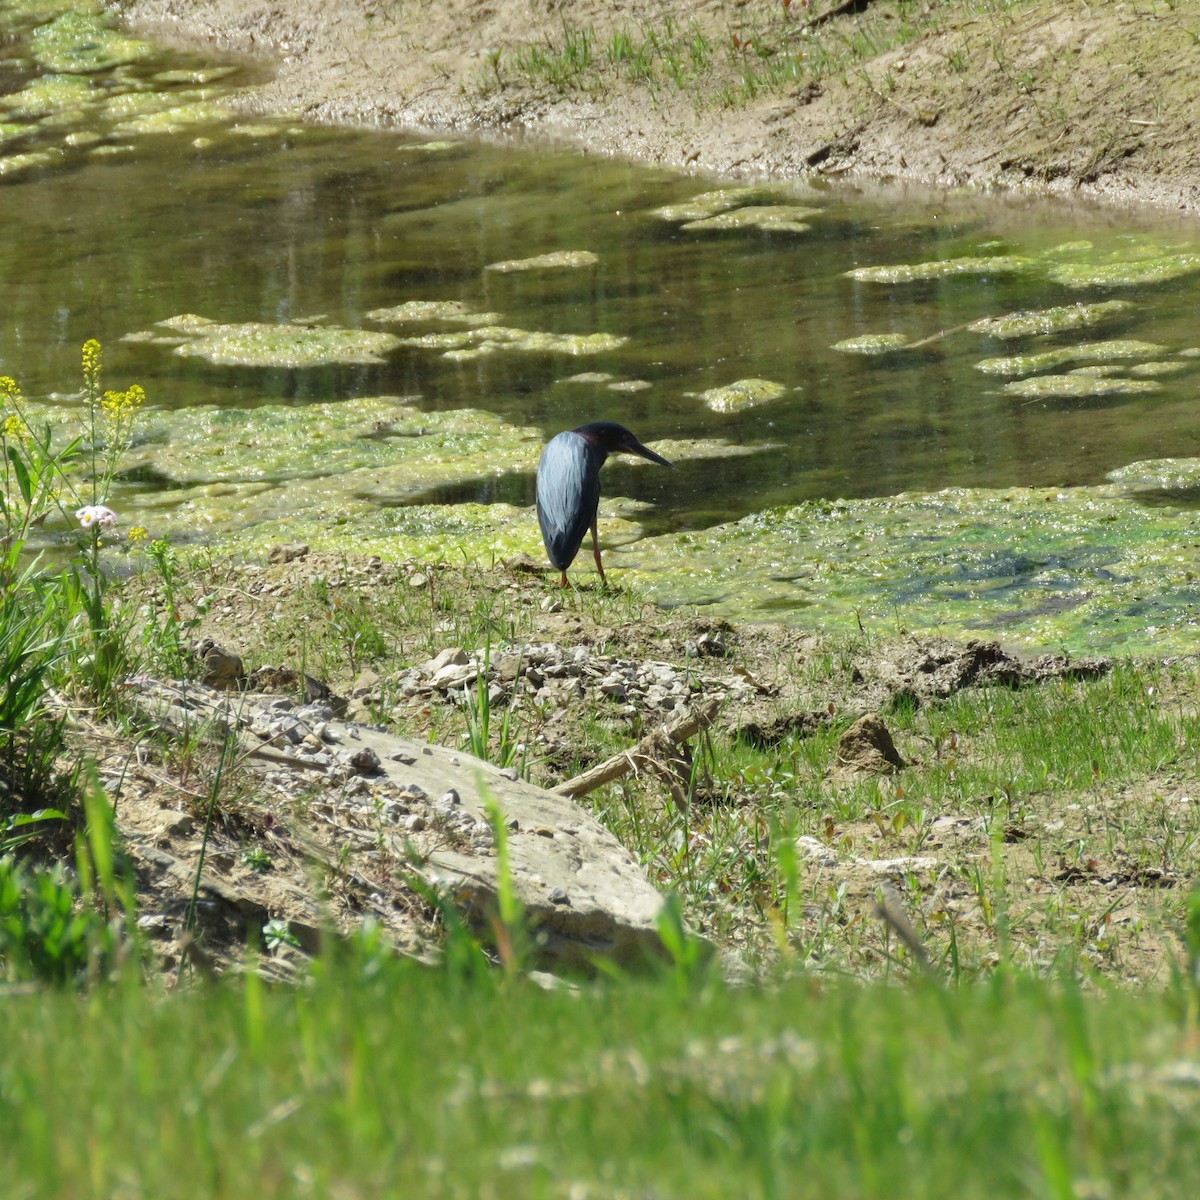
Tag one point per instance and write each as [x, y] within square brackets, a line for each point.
[265, 224]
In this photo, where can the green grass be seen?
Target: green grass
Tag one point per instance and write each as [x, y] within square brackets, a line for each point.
[388, 1079]
[734, 56]
[756, 49]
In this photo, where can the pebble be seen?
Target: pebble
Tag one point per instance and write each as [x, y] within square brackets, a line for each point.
[364, 761]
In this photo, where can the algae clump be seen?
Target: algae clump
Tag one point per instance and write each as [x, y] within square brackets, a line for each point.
[488, 339]
[557, 260]
[1126, 272]
[782, 218]
[82, 44]
[745, 393]
[1045, 360]
[256, 344]
[454, 311]
[1088, 569]
[942, 268]
[1060, 319]
[1159, 474]
[871, 343]
[708, 204]
[1078, 386]
[51, 95]
[174, 117]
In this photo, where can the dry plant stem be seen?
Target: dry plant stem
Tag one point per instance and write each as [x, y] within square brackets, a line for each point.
[936, 337]
[889, 909]
[650, 749]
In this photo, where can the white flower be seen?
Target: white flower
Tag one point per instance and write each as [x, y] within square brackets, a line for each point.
[96, 514]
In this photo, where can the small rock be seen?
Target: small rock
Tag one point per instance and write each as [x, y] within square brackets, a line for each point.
[900, 866]
[364, 761]
[170, 823]
[365, 684]
[274, 679]
[452, 676]
[508, 667]
[452, 656]
[293, 730]
[712, 645]
[815, 852]
[287, 552]
[867, 746]
[219, 668]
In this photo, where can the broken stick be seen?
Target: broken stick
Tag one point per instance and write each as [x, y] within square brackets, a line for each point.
[651, 747]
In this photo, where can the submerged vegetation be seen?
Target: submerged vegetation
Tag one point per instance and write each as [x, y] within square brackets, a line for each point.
[94, 88]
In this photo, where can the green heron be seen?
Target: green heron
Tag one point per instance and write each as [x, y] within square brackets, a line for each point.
[568, 487]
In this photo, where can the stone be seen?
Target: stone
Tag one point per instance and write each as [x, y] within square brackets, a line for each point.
[454, 656]
[867, 746]
[432, 808]
[453, 676]
[287, 552]
[364, 685]
[219, 668]
[365, 761]
[815, 852]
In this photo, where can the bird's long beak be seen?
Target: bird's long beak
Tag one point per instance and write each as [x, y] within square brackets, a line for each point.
[636, 447]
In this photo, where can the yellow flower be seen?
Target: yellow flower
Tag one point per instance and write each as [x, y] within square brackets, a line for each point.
[91, 360]
[9, 389]
[13, 429]
[120, 407]
[137, 533]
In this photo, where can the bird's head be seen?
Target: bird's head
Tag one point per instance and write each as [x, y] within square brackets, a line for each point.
[616, 439]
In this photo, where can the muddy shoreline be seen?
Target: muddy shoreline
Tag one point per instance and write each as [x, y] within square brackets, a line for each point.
[1093, 102]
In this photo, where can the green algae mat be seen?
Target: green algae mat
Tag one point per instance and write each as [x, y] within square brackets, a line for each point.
[1081, 569]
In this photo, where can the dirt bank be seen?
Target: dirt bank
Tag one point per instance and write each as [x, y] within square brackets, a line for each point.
[1093, 99]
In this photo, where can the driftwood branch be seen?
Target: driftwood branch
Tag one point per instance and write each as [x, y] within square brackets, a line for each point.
[651, 749]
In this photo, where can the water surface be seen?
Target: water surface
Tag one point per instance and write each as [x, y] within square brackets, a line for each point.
[278, 223]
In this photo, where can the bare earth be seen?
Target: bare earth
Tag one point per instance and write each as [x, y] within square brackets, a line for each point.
[1098, 99]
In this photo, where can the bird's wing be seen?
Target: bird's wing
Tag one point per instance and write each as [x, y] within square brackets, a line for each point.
[568, 491]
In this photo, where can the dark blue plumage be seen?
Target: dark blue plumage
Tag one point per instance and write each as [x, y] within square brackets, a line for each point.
[568, 486]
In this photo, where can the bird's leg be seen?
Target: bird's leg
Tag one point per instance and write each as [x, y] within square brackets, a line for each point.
[596, 552]
[564, 579]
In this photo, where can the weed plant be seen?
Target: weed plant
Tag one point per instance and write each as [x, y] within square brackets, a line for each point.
[59, 628]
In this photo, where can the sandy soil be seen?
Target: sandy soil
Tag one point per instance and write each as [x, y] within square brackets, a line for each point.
[1082, 98]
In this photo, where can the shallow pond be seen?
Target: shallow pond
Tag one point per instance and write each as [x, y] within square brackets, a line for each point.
[361, 339]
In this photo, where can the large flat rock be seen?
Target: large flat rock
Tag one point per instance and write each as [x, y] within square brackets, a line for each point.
[425, 811]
